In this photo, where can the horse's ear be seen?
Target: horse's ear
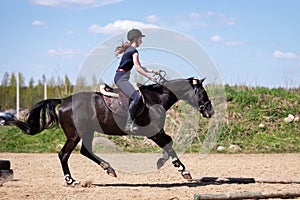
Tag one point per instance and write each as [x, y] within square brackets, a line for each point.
[201, 80]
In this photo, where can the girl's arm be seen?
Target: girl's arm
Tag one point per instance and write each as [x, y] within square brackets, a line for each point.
[142, 70]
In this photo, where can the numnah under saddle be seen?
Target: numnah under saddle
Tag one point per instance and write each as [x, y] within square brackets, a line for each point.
[117, 101]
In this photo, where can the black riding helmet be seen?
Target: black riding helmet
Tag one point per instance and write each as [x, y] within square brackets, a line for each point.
[134, 33]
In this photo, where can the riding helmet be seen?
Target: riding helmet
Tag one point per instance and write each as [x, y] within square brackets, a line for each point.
[133, 33]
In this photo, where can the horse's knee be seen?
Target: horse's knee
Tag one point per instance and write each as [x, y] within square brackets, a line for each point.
[63, 157]
[162, 140]
[60, 155]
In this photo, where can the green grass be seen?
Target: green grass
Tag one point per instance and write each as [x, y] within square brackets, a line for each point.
[13, 140]
[247, 107]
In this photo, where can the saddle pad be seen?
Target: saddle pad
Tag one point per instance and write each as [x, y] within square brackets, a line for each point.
[117, 102]
[119, 105]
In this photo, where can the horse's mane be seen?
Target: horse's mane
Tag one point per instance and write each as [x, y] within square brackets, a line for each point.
[152, 87]
[156, 87]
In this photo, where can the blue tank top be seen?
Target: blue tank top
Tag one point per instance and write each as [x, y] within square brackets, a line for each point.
[127, 59]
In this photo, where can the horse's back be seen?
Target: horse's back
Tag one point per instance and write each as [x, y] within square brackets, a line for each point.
[80, 106]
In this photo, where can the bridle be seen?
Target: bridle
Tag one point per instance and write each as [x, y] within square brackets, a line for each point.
[201, 107]
[160, 80]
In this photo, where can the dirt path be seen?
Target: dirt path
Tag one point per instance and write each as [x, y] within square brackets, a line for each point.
[39, 176]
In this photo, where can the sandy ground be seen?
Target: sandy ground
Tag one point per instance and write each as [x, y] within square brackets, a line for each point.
[39, 176]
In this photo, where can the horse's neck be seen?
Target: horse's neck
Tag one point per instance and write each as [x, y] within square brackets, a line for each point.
[176, 90]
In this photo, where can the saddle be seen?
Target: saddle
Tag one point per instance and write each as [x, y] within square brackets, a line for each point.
[117, 101]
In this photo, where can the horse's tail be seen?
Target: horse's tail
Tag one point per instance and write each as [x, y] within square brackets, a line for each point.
[41, 116]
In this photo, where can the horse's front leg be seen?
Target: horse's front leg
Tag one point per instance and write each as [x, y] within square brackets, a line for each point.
[86, 150]
[105, 165]
[165, 142]
[185, 173]
[168, 149]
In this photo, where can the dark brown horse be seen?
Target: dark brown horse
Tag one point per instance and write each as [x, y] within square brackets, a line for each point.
[81, 114]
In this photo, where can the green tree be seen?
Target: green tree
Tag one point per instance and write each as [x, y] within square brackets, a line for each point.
[4, 91]
[5, 80]
[11, 98]
[68, 86]
[29, 94]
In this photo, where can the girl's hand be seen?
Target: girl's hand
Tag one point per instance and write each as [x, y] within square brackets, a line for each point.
[154, 71]
[157, 72]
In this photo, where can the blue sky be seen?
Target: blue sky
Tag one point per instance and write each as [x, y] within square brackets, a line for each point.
[251, 42]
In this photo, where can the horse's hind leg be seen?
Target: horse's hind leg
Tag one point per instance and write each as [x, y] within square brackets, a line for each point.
[64, 155]
[86, 150]
[165, 142]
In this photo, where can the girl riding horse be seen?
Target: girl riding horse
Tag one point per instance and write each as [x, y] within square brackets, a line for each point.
[129, 59]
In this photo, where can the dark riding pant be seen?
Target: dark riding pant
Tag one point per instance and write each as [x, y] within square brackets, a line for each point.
[122, 81]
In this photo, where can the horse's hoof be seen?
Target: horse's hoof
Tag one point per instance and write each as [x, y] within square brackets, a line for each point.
[186, 175]
[75, 183]
[110, 171]
[70, 181]
[104, 165]
[160, 163]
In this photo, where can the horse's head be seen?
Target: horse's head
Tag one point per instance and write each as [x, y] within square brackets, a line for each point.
[190, 90]
[198, 98]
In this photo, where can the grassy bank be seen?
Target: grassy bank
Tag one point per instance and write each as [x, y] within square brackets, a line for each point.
[254, 122]
[249, 107]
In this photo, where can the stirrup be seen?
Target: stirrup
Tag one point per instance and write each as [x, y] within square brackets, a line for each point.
[131, 128]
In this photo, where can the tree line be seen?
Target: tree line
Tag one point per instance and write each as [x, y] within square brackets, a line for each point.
[31, 93]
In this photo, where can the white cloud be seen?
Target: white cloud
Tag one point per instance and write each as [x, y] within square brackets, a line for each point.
[285, 55]
[64, 53]
[216, 38]
[200, 20]
[195, 15]
[152, 19]
[37, 23]
[223, 19]
[198, 15]
[219, 39]
[72, 3]
[118, 26]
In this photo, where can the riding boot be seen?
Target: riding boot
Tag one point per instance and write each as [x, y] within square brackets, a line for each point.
[130, 116]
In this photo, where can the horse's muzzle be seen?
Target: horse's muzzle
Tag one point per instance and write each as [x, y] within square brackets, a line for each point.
[208, 113]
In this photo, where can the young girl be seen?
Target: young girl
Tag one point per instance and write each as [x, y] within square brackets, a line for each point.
[129, 59]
